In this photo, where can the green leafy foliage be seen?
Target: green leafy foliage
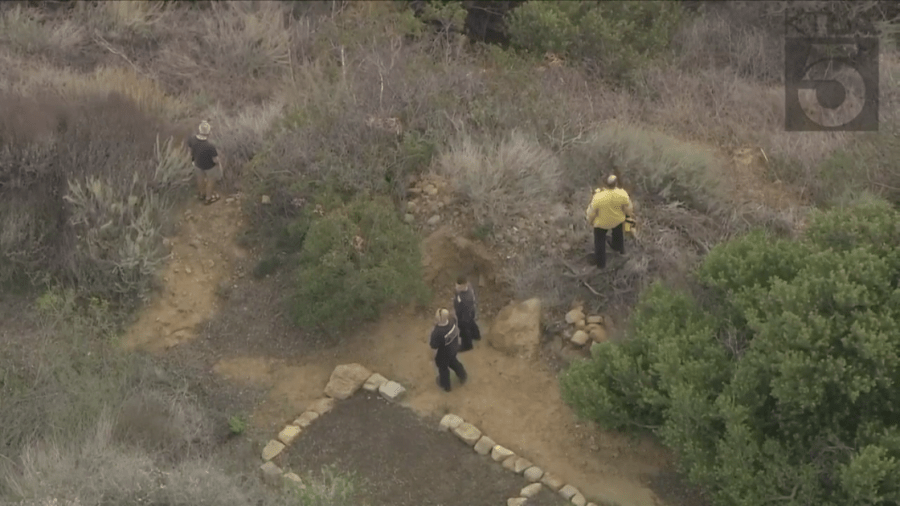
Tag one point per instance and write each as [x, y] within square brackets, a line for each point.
[356, 260]
[774, 379]
[617, 37]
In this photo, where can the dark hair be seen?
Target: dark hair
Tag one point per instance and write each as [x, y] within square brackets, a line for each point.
[461, 279]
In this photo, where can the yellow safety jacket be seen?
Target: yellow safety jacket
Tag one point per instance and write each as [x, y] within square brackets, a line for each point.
[607, 208]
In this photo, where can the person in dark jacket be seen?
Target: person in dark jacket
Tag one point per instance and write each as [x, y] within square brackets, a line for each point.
[445, 343]
[465, 307]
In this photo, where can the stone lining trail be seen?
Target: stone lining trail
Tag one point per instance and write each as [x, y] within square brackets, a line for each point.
[347, 379]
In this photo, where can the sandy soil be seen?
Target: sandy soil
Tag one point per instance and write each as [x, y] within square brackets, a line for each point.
[515, 401]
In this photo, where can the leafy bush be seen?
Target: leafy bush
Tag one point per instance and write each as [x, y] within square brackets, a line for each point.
[500, 181]
[661, 167]
[615, 37]
[774, 378]
[356, 260]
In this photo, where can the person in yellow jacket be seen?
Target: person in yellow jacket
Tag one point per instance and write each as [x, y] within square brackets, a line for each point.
[609, 209]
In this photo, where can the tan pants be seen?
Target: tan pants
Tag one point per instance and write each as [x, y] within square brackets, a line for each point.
[213, 174]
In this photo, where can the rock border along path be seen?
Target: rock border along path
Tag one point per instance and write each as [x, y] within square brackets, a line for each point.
[347, 379]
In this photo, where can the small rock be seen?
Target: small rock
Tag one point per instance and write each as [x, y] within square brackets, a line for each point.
[580, 338]
[510, 463]
[468, 433]
[303, 421]
[533, 473]
[580, 325]
[187, 270]
[270, 472]
[229, 200]
[568, 492]
[590, 504]
[450, 422]
[272, 450]
[321, 406]
[574, 316]
[289, 434]
[409, 218]
[295, 480]
[484, 445]
[392, 391]
[595, 319]
[434, 220]
[374, 382]
[516, 501]
[500, 454]
[565, 246]
[430, 190]
[598, 335]
[578, 500]
[531, 490]
[522, 464]
[266, 199]
[552, 482]
[345, 380]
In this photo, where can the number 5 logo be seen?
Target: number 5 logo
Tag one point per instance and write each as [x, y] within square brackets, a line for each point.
[818, 98]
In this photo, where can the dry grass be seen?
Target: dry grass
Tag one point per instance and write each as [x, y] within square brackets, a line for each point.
[24, 30]
[502, 181]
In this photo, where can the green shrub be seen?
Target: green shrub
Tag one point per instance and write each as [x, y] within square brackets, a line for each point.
[616, 37]
[356, 260]
[659, 166]
[774, 378]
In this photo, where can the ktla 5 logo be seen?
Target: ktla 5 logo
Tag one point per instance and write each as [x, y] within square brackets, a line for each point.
[831, 84]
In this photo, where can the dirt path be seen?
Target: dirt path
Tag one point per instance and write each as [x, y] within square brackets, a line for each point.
[516, 401]
[202, 257]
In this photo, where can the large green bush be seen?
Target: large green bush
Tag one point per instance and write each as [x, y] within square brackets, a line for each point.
[355, 261]
[616, 37]
[775, 379]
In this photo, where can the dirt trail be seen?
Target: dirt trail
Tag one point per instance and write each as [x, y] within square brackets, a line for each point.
[202, 257]
[516, 401]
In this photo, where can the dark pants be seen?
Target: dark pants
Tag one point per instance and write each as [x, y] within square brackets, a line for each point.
[617, 243]
[468, 332]
[444, 364]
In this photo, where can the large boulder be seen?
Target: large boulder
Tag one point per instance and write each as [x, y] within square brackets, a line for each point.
[345, 380]
[517, 329]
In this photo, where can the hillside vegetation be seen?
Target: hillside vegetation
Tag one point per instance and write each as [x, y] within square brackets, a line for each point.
[325, 111]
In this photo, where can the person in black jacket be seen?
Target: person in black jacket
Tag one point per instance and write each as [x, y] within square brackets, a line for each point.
[445, 343]
[465, 307]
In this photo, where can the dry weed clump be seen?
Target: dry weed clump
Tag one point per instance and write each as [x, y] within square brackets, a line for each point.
[744, 37]
[662, 169]
[502, 181]
[237, 50]
[85, 198]
[25, 30]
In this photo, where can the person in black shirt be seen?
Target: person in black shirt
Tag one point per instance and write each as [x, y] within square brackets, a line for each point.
[445, 343]
[206, 163]
[465, 307]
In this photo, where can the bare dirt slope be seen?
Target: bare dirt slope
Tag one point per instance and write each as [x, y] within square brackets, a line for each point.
[517, 401]
[202, 257]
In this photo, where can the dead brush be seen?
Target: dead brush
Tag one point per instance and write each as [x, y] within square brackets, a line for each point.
[501, 180]
[25, 30]
[236, 45]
